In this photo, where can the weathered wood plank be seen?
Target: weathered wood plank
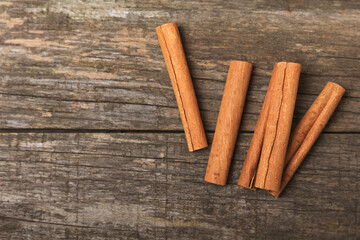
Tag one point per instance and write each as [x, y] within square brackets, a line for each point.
[97, 64]
[24, 229]
[138, 185]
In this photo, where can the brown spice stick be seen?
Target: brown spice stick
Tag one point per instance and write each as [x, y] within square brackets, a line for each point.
[178, 70]
[302, 129]
[228, 122]
[309, 129]
[248, 171]
[278, 126]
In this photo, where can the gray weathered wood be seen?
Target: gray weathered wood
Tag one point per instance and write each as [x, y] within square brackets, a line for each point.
[147, 186]
[97, 65]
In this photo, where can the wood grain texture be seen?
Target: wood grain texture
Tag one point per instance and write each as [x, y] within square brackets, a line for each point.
[77, 69]
[148, 186]
[97, 64]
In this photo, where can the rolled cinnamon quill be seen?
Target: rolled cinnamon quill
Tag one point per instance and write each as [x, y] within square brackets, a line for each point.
[248, 172]
[178, 70]
[278, 125]
[309, 129]
[228, 122]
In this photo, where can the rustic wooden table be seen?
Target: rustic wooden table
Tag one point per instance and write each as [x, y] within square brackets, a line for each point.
[91, 143]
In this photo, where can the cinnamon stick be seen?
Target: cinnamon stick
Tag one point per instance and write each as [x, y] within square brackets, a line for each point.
[228, 122]
[278, 126]
[178, 70]
[248, 172]
[309, 129]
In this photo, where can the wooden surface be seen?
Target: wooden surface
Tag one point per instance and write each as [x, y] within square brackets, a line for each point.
[92, 146]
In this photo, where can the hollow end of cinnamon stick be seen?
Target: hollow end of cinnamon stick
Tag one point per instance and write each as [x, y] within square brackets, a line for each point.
[308, 130]
[278, 125]
[228, 122]
[173, 52]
